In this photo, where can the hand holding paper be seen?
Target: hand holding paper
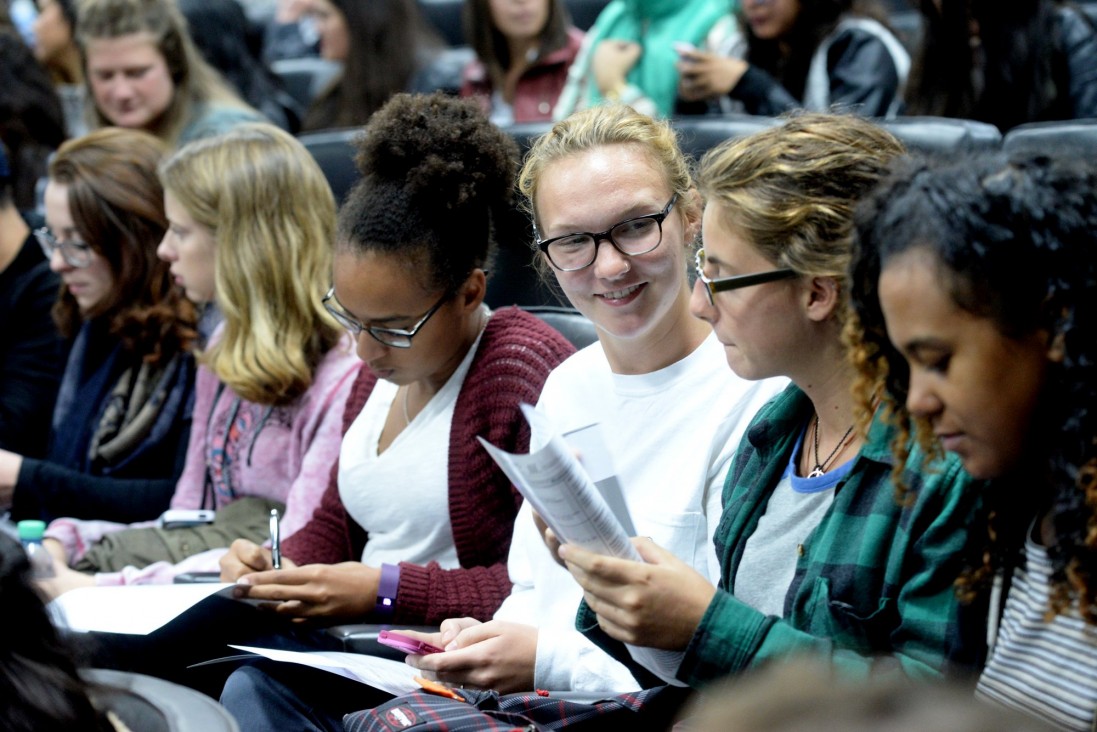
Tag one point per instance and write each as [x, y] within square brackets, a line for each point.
[563, 494]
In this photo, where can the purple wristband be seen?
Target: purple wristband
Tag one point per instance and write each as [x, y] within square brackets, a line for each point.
[386, 591]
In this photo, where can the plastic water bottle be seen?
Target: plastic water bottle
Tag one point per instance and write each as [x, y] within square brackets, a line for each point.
[31, 533]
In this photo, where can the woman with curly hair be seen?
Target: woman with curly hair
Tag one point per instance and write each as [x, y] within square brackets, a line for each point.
[981, 276]
[272, 381]
[122, 416]
[819, 555]
[413, 246]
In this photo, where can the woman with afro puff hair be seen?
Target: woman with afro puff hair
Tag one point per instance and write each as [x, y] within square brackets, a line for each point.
[416, 523]
[974, 285]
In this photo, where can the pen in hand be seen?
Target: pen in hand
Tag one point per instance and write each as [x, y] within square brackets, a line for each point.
[275, 540]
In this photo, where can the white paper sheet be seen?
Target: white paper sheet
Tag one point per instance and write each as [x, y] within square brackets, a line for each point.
[564, 493]
[589, 446]
[560, 490]
[131, 609]
[385, 674]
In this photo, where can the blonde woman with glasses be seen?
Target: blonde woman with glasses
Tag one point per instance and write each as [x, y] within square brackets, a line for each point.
[616, 215]
[819, 553]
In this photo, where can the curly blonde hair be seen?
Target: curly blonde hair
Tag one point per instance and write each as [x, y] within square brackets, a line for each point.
[792, 190]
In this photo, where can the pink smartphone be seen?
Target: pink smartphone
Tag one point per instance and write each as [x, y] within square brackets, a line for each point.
[406, 643]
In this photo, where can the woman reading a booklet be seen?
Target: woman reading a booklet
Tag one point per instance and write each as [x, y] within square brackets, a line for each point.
[656, 381]
[819, 552]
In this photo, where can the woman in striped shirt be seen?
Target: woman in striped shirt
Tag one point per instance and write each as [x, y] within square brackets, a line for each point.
[981, 274]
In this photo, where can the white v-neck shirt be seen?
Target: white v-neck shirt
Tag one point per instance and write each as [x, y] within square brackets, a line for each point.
[401, 497]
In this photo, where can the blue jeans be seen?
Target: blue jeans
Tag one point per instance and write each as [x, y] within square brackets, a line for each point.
[268, 695]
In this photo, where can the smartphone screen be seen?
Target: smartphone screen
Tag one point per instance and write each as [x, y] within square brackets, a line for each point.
[406, 643]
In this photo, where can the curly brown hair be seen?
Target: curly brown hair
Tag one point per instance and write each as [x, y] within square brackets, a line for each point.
[1014, 244]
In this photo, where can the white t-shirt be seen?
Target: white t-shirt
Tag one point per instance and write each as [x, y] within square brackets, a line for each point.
[672, 434]
[416, 528]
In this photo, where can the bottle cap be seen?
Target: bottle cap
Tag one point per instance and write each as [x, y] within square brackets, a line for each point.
[31, 530]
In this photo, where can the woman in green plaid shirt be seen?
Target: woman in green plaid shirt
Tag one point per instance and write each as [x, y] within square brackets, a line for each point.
[820, 552]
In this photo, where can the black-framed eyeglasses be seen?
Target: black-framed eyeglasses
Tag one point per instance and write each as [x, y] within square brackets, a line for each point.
[723, 284]
[393, 337]
[631, 237]
[76, 253]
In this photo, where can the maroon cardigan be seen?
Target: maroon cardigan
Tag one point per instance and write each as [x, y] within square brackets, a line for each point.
[516, 354]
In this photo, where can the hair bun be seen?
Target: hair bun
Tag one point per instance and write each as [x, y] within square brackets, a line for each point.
[438, 146]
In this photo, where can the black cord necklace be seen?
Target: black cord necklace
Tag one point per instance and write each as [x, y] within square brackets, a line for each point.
[821, 466]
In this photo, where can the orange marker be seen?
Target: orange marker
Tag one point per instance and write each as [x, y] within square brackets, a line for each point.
[437, 687]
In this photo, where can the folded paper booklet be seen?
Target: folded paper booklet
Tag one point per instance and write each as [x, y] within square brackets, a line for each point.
[569, 482]
[132, 609]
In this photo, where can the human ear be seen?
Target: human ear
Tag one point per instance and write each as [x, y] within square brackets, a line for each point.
[692, 207]
[823, 298]
[473, 291]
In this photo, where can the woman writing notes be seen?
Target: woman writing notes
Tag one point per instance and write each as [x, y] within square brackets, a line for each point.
[414, 241]
[122, 417]
[273, 380]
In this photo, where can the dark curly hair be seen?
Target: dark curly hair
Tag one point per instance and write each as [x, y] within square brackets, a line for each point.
[1015, 243]
[436, 178]
[42, 690]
